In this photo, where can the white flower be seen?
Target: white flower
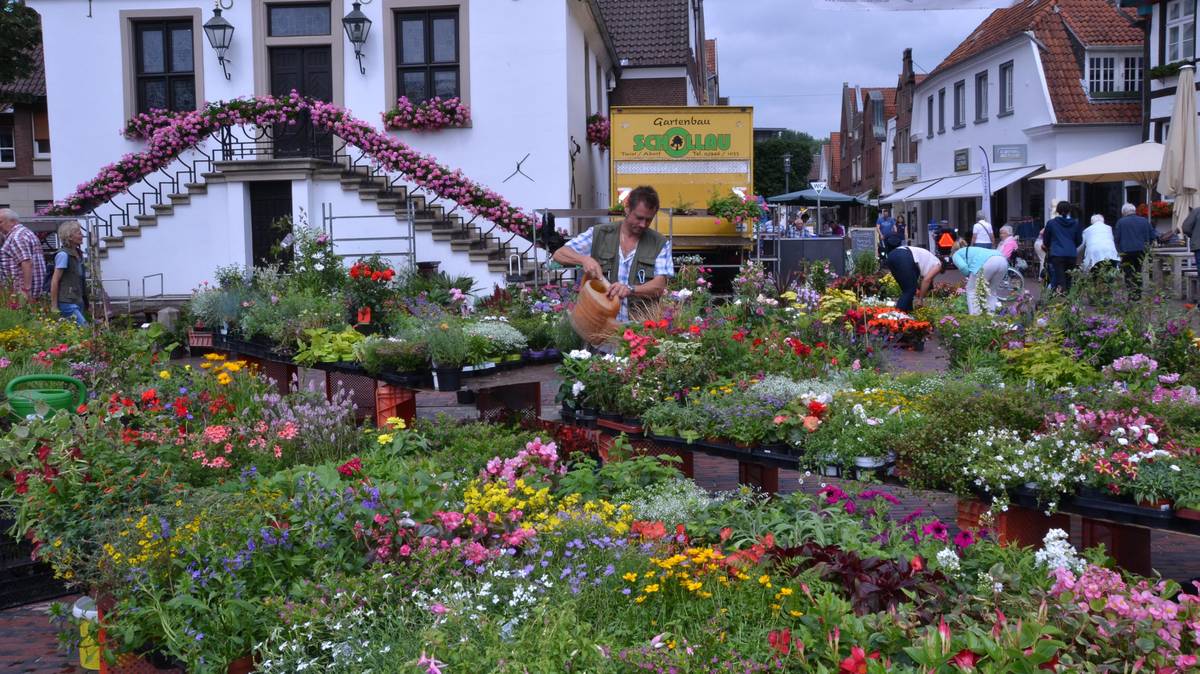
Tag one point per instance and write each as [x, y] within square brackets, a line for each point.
[1152, 438]
[683, 294]
[577, 388]
[1175, 468]
[579, 354]
[319, 267]
[948, 559]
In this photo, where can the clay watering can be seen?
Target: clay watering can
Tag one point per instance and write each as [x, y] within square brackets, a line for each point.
[595, 314]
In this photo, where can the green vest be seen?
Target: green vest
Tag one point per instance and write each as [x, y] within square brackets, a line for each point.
[606, 249]
[70, 284]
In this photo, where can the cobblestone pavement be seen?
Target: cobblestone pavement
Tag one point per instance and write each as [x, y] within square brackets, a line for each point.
[28, 641]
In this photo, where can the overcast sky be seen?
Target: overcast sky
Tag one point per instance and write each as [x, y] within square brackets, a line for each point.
[788, 61]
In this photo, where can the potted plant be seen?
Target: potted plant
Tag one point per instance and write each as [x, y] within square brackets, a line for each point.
[448, 349]
[1155, 483]
[407, 355]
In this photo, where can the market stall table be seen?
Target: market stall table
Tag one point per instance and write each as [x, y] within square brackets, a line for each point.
[1167, 266]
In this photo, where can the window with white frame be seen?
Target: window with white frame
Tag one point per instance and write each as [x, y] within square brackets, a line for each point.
[1102, 74]
[1132, 75]
[1181, 30]
[1114, 75]
[8, 147]
[1006, 88]
[41, 134]
[960, 103]
[981, 96]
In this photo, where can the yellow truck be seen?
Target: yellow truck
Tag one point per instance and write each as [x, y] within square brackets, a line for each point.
[689, 155]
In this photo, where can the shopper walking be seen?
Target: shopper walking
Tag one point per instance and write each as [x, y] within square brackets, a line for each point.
[21, 262]
[1062, 238]
[980, 265]
[1099, 250]
[67, 281]
[1192, 232]
[1133, 234]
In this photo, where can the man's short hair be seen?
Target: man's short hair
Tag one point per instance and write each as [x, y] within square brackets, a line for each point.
[643, 194]
[892, 242]
[1128, 209]
[1006, 229]
[66, 229]
[980, 215]
[7, 214]
[1063, 208]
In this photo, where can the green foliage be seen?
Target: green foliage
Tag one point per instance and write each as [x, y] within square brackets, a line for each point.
[406, 352]
[448, 344]
[768, 162]
[1048, 364]
[285, 319]
[321, 345]
[22, 31]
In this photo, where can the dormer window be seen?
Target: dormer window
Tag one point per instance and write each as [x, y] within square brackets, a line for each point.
[1113, 75]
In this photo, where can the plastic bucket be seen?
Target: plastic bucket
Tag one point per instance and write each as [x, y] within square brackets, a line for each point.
[594, 315]
[86, 613]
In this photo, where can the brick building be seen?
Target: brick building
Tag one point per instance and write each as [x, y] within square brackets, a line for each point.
[662, 52]
[25, 183]
[865, 113]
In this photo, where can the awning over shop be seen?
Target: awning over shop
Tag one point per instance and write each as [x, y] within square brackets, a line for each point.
[909, 192]
[960, 187]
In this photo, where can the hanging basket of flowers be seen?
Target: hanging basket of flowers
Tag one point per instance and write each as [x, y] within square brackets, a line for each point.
[598, 130]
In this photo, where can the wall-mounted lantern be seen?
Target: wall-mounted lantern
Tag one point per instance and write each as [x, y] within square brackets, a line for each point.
[220, 33]
[358, 26]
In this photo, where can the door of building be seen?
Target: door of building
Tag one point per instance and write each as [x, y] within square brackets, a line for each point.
[270, 221]
[308, 71]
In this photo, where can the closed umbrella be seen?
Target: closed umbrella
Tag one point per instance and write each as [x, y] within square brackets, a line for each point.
[1180, 175]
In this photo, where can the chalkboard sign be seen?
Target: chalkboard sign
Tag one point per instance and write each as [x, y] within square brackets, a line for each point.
[863, 240]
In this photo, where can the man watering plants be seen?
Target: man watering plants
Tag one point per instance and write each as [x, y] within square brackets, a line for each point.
[633, 258]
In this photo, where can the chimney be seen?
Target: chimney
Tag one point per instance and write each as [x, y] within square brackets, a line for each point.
[907, 71]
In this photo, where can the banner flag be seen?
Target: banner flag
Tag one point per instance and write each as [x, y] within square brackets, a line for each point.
[907, 5]
[985, 184]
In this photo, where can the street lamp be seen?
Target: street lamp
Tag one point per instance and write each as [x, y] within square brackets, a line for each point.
[787, 172]
[357, 27]
[220, 33]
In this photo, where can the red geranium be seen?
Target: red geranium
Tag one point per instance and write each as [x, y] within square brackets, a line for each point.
[857, 662]
[351, 468]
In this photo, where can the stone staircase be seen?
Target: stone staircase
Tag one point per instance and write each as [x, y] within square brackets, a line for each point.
[463, 236]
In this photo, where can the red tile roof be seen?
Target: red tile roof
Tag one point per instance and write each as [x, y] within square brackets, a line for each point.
[648, 32]
[1060, 26]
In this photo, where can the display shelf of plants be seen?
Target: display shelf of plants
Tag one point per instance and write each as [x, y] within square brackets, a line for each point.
[400, 327]
[214, 518]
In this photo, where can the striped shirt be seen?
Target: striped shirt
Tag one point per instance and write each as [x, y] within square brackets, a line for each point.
[21, 245]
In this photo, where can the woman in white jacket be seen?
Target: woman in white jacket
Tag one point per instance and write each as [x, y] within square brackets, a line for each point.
[1098, 246]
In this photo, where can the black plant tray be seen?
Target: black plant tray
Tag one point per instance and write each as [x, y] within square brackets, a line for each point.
[1119, 509]
[728, 451]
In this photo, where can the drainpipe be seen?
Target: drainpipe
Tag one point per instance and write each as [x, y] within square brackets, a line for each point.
[1146, 79]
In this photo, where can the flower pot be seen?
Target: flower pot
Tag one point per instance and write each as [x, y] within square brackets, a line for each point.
[200, 339]
[466, 397]
[243, 665]
[567, 415]
[553, 354]
[1160, 504]
[873, 462]
[537, 355]
[411, 379]
[1188, 514]
[448, 378]
[428, 269]
[610, 416]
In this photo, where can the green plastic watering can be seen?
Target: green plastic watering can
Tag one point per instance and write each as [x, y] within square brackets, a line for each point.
[25, 401]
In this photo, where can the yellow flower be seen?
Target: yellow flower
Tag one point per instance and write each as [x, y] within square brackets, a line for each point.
[764, 580]
[630, 577]
[205, 366]
[786, 591]
[164, 374]
[640, 598]
[224, 379]
[397, 423]
[234, 367]
[653, 587]
[795, 614]
[214, 356]
[385, 438]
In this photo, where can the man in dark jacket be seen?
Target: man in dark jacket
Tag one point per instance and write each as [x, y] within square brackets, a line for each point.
[1133, 234]
[1062, 238]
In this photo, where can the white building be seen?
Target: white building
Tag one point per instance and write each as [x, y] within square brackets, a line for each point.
[1170, 42]
[531, 73]
[1036, 86]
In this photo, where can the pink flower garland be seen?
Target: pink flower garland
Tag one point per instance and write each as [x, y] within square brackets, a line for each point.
[168, 136]
[429, 115]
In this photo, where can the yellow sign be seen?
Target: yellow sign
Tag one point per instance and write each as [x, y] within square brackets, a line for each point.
[689, 155]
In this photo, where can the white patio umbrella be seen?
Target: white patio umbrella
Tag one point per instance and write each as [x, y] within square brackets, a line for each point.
[1180, 175]
[1140, 163]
